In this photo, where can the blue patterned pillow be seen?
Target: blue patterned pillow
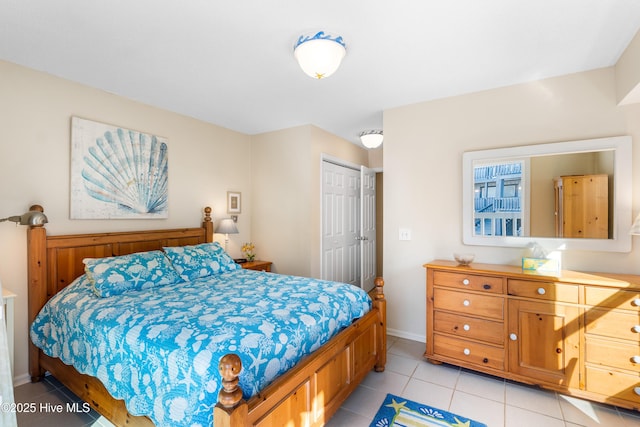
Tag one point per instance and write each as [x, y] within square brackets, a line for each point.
[142, 270]
[193, 262]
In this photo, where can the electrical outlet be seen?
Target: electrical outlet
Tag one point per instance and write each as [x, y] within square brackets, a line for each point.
[405, 234]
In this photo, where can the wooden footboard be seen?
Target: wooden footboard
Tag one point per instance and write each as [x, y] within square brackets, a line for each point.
[314, 390]
[307, 395]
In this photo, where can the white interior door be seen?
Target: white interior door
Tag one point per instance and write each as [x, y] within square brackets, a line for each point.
[340, 224]
[348, 225]
[367, 228]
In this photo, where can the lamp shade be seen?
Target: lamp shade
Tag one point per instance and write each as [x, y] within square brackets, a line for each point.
[227, 226]
[371, 138]
[635, 227]
[319, 54]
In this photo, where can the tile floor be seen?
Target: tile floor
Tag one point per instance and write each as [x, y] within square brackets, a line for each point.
[493, 401]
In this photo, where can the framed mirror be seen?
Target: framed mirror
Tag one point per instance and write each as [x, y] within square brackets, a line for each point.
[565, 195]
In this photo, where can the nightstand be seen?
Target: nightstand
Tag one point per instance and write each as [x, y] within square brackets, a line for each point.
[257, 265]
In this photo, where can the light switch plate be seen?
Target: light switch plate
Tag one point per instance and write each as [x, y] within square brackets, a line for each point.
[405, 234]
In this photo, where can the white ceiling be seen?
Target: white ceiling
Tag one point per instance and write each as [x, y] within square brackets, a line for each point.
[231, 63]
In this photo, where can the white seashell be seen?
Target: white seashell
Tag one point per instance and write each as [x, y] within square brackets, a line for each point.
[128, 168]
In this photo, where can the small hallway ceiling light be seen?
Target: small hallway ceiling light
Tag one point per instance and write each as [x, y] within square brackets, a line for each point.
[371, 138]
[319, 54]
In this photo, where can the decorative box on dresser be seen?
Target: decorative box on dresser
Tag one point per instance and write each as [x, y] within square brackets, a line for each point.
[578, 333]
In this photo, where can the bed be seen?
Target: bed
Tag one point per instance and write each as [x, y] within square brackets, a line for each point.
[306, 394]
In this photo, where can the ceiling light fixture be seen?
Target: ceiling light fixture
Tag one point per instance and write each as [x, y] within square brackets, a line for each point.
[319, 54]
[371, 138]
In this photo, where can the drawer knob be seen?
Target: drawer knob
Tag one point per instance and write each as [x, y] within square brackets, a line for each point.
[636, 390]
[541, 291]
[467, 327]
[636, 302]
[466, 351]
[467, 303]
[486, 286]
[636, 329]
[635, 359]
[513, 337]
[466, 282]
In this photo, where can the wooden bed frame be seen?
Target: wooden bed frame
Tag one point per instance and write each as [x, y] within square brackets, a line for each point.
[307, 395]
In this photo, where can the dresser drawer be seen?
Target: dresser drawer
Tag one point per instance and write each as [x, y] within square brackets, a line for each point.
[468, 303]
[469, 327]
[614, 324]
[468, 281]
[468, 351]
[612, 383]
[612, 298]
[549, 291]
[613, 354]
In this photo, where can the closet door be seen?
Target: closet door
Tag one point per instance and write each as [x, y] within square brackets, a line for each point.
[340, 224]
[367, 228]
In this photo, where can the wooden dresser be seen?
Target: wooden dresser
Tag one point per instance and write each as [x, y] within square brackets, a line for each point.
[578, 333]
[582, 206]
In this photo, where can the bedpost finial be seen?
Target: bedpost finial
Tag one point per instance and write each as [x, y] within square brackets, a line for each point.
[207, 214]
[230, 366]
[379, 283]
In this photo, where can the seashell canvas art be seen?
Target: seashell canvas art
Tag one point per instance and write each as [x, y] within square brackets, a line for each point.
[117, 172]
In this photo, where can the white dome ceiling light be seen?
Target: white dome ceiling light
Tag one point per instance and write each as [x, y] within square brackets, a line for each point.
[319, 54]
[371, 138]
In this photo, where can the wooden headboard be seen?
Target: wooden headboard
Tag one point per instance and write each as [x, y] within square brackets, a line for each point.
[55, 261]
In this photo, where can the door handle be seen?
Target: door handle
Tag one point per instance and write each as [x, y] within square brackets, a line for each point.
[362, 238]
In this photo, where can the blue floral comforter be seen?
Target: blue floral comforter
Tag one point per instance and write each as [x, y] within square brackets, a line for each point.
[158, 349]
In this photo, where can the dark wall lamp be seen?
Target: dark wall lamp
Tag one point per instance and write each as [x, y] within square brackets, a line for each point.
[34, 218]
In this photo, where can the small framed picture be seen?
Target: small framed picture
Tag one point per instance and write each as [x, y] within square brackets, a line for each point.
[233, 202]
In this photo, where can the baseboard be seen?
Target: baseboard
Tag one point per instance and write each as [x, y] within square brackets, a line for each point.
[21, 379]
[407, 335]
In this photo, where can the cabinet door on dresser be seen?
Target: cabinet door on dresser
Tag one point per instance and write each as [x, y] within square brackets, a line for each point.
[544, 342]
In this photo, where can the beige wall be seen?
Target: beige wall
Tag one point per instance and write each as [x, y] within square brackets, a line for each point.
[35, 119]
[628, 73]
[285, 223]
[423, 171]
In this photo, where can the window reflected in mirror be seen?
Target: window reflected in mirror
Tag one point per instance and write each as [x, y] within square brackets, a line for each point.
[498, 198]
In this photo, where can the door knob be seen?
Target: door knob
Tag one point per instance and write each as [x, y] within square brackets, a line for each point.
[513, 337]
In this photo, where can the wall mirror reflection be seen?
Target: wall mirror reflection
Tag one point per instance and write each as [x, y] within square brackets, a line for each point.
[572, 195]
